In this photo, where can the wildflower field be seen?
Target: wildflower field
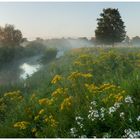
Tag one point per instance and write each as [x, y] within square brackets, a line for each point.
[88, 92]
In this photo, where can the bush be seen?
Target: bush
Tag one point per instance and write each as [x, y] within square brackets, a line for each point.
[49, 54]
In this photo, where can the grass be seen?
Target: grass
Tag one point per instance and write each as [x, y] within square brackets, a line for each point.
[89, 92]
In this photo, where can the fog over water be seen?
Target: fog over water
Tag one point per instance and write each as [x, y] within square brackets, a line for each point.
[26, 67]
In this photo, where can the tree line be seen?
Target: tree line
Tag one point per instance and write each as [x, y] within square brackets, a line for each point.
[110, 30]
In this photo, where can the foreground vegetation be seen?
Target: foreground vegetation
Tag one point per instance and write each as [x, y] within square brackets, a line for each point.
[89, 92]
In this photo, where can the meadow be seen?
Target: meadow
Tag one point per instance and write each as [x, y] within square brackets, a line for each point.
[87, 93]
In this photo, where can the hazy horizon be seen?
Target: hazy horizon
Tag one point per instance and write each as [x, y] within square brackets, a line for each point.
[65, 19]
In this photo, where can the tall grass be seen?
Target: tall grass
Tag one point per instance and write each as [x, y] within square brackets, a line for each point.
[89, 92]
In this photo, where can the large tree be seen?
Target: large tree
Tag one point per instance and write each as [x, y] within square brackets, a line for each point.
[110, 27]
[10, 39]
[9, 36]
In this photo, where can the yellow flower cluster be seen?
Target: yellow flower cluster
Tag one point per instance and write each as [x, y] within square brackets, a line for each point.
[21, 125]
[45, 101]
[78, 63]
[107, 92]
[36, 118]
[33, 96]
[84, 56]
[34, 130]
[114, 97]
[51, 121]
[59, 92]
[75, 75]
[107, 86]
[56, 79]
[91, 87]
[66, 104]
[15, 95]
[41, 112]
[118, 97]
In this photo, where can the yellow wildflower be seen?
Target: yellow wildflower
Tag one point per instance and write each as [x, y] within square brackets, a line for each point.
[33, 96]
[107, 86]
[118, 97]
[36, 118]
[56, 79]
[51, 121]
[59, 92]
[78, 63]
[66, 104]
[75, 75]
[91, 87]
[41, 111]
[87, 75]
[84, 56]
[43, 101]
[21, 125]
[15, 95]
[34, 130]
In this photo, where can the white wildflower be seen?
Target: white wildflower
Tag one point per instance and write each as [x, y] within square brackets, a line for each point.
[131, 134]
[93, 103]
[128, 99]
[138, 118]
[78, 118]
[79, 121]
[117, 105]
[122, 115]
[102, 113]
[93, 114]
[73, 132]
[112, 109]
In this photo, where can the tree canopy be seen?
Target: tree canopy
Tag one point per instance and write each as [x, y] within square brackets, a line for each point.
[9, 36]
[110, 27]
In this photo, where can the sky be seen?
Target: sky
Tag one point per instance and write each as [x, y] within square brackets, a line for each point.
[65, 19]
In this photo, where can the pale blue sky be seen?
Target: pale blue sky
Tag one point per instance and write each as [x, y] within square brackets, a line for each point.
[65, 19]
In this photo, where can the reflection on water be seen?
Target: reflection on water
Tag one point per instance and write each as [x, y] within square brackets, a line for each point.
[28, 70]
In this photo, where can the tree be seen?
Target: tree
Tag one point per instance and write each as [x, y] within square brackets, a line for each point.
[10, 39]
[110, 27]
[136, 40]
[9, 36]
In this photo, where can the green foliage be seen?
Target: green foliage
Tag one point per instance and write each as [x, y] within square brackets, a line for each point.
[49, 54]
[10, 39]
[9, 36]
[89, 92]
[34, 48]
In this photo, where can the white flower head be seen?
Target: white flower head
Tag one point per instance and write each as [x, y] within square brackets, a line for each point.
[122, 115]
[128, 99]
[131, 134]
[138, 118]
[112, 109]
[117, 105]
[93, 103]
[73, 132]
